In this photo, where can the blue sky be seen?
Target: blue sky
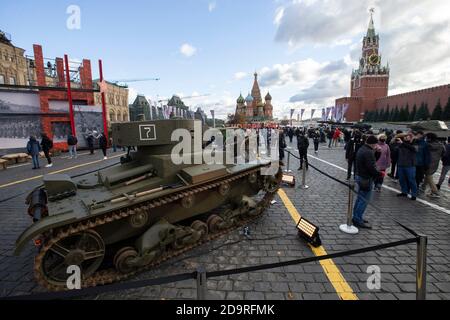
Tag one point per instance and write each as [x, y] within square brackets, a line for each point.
[290, 43]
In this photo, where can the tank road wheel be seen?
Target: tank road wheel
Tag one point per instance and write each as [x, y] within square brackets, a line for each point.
[253, 178]
[85, 249]
[138, 220]
[188, 202]
[200, 226]
[122, 259]
[224, 189]
[214, 223]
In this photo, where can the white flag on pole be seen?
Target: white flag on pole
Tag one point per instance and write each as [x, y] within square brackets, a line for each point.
[344, 110]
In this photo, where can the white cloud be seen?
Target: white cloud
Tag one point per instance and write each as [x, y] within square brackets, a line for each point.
[188, 50]
[413, 36]
[279, 13]
[132, 94]
[240, 75]
[212, 6]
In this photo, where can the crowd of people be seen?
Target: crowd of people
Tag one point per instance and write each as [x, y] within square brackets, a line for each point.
[408, 158]
[34, 147]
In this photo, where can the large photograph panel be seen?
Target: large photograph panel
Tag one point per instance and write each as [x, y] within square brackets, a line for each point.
[19, 118]
[88, 120]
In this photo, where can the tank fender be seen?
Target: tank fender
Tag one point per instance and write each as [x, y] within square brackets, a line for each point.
[42, 226]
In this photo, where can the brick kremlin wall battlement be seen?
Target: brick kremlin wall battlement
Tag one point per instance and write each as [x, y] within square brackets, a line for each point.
[430, 96]
[421, 91]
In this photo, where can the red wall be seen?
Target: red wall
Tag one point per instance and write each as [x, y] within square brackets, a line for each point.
[45, 95]
[371, 89]
[354, 109]
[430, 96]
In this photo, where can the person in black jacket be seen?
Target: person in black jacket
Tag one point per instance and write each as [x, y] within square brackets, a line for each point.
[90, 142]
[47, 144]
[366, 173]
[103, 144]
[302, 145]
[445, 165]
[281, 145]
[330, 135]
[347, 136]
[406, 167]
[350, 152]
[316, 141]
[72, 143]
[290, 134]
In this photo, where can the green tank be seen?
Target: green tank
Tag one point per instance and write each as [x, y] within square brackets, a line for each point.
[129, 217]
[434, 126]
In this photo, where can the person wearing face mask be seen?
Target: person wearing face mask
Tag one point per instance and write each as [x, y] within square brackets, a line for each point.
[406, 167]
[383, 160]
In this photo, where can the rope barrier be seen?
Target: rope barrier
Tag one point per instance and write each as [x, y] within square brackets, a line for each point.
[193, 275]
[352, 188]
[106, 288]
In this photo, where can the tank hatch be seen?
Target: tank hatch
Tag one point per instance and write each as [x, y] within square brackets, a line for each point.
[59, 186]
[202, 173]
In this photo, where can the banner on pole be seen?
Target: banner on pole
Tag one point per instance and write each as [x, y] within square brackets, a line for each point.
[312, 113]
[338, 113]
[345, 109]
[302, 111]
[292, 113]
[328, 113]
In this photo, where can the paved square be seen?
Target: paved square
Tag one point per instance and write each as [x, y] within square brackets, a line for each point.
[273, 238]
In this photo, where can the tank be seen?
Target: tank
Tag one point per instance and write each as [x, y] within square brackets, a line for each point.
[130, 217]
[435, 126]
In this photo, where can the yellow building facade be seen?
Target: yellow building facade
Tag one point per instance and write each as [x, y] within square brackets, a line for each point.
[116, 99]
[13, 63]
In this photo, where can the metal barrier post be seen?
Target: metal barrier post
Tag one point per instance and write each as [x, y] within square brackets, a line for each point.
[304, 186]
[201, 283]
[349, 227]
[421, 269]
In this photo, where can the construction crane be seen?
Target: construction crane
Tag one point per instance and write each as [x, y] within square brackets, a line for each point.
[188, 97]
[124, 82]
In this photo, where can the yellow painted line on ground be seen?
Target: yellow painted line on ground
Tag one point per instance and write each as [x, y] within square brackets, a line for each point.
[339, 283]
[57, 171]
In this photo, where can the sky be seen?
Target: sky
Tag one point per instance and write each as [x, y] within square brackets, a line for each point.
[303, 50]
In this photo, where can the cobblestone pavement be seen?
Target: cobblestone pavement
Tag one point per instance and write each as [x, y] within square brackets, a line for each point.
[273, 239]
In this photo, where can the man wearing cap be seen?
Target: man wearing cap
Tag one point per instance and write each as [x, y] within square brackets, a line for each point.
[366, 173]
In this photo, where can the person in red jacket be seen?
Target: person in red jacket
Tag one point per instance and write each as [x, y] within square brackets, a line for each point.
[336, 136]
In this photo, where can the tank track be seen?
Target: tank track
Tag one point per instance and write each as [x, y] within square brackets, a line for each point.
[111, 275]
